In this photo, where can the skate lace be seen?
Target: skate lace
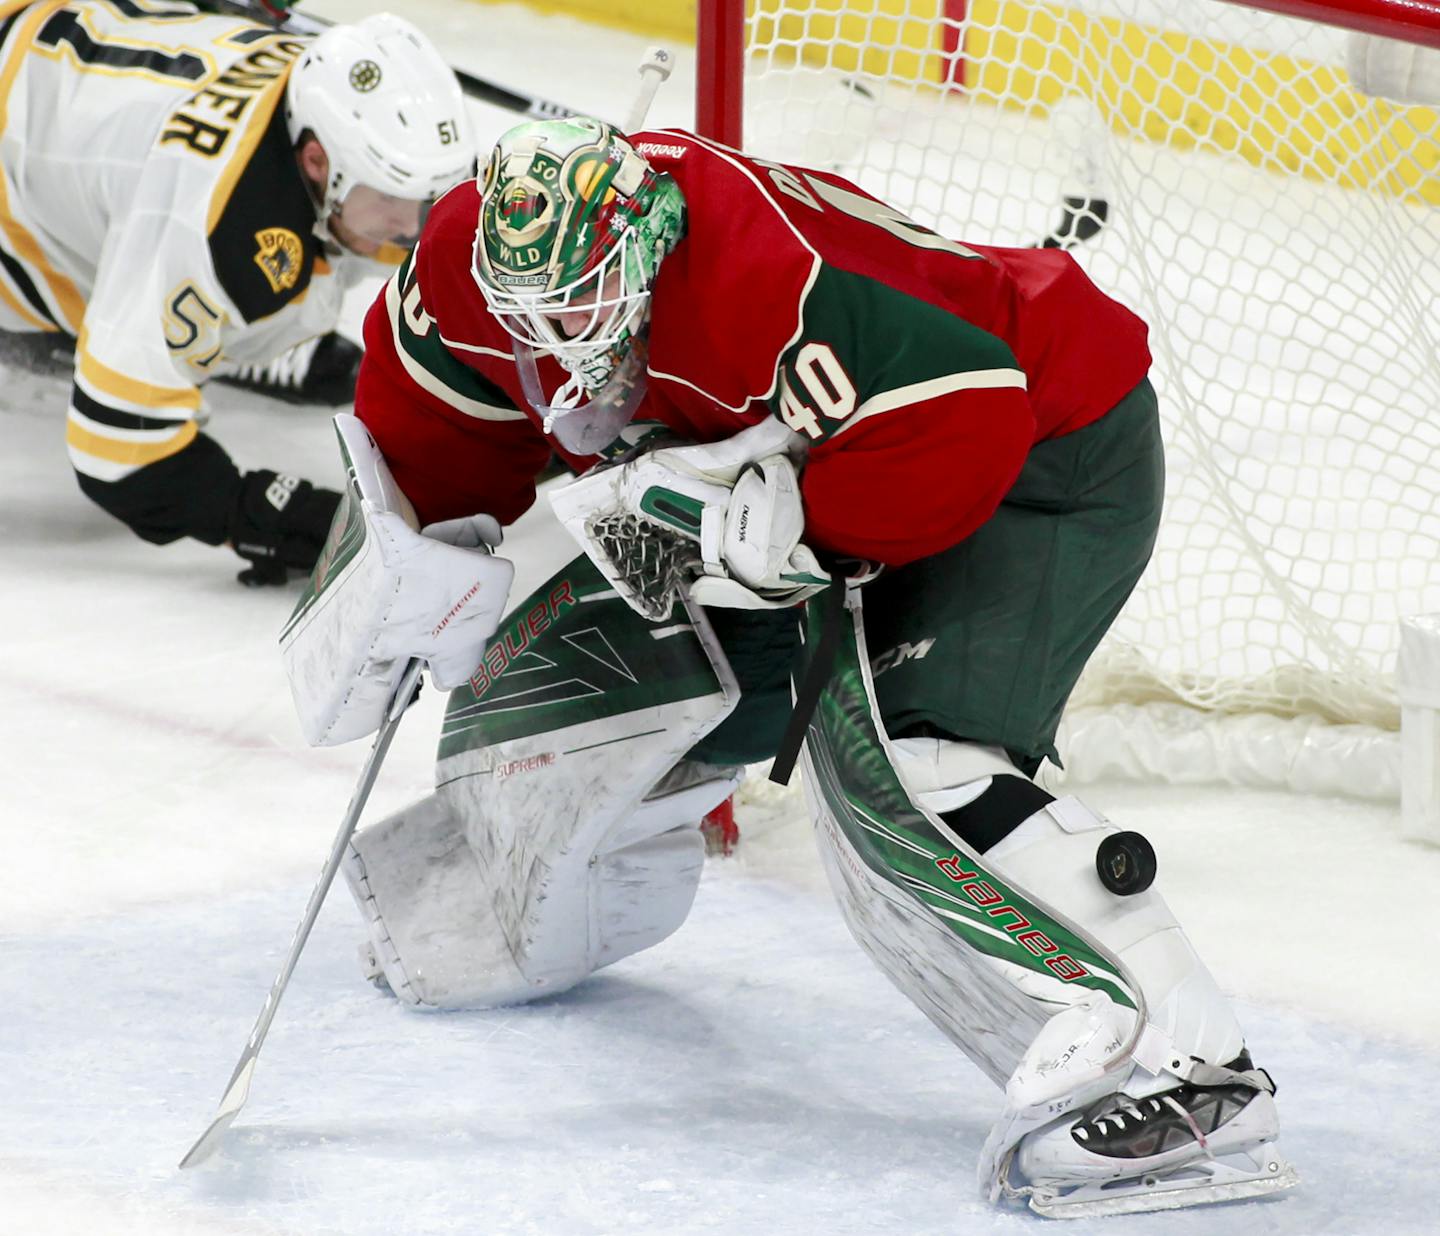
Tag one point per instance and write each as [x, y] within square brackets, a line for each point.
[1140, 1111]
[1123, 1106]
[287, 369]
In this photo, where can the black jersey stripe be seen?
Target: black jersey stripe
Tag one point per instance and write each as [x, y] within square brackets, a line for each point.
[116, 418]
[10, 21]
[253, 35]
[26, 286]
[131, 9]
[262, 200]
[65, 27]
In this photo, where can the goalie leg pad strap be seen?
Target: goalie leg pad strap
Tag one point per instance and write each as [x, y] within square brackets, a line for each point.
[975, 789]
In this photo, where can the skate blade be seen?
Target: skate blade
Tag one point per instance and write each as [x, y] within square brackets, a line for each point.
[1219, 1183]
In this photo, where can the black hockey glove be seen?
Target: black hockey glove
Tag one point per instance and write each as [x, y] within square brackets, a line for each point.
[279, 522]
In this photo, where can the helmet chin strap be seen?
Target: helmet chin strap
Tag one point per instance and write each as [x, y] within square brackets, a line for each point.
[320, 198]
[588, 428]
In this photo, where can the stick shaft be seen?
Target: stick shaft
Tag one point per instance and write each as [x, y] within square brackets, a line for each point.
[476, 87]
[238, 1088]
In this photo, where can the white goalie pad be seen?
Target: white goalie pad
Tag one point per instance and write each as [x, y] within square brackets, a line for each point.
[384, 591]
[1182, 1027]
[1060, 990]
[451, 929]
[564, 831]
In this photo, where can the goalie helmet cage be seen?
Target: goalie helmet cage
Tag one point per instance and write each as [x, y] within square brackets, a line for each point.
[1280, 232]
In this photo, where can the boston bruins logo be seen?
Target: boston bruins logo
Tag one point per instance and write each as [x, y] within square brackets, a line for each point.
[279, 256]
[364, 76]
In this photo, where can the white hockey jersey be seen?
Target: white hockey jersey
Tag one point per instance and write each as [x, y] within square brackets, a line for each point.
[150, 207]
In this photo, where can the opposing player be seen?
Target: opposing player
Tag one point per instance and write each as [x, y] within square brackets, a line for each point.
[187, 194]
[803, 397]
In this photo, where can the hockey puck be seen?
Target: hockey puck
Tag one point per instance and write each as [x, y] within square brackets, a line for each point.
[1126, 863]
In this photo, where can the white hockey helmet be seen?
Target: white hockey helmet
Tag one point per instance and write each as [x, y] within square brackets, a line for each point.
[391, 118]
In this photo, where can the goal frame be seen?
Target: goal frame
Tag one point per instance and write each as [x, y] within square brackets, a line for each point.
[720, 45]
[1311, 749]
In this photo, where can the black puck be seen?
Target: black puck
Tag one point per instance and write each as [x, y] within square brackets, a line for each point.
[1126, 863]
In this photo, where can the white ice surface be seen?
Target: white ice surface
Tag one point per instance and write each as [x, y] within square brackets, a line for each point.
[161, 822]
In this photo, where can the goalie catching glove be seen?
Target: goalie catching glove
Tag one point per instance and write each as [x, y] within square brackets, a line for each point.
[383, 591]
[722, 521]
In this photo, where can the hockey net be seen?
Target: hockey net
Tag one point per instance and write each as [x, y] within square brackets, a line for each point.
[1279, 230]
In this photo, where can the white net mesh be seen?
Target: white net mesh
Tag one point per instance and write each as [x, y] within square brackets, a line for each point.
[1278, 230]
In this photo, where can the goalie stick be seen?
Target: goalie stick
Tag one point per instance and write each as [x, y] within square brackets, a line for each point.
[285, 18]
[238, 1089]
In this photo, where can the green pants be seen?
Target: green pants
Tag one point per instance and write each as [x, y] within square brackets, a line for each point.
[985, 641]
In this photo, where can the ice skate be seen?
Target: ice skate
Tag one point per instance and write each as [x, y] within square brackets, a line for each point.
[1185, 1146]
[321, 370]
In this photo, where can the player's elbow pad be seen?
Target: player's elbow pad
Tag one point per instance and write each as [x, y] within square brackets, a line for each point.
[383, 592]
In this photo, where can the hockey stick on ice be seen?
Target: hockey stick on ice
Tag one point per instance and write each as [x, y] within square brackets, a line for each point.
[238, 1089]
[476, 87]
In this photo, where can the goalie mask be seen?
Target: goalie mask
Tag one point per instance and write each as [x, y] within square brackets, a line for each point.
[391, 118]
[574, 224]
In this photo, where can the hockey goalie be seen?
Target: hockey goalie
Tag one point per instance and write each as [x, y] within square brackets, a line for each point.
[816, 442]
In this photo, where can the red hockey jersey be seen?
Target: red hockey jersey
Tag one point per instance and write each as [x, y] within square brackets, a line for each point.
[921, 371]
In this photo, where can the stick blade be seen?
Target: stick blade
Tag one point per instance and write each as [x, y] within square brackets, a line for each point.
[230, 1105]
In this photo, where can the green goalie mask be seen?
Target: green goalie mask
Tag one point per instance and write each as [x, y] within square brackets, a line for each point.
[573, 226]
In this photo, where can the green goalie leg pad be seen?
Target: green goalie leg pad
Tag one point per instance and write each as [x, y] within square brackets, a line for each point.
[987, 962]
[563, 833]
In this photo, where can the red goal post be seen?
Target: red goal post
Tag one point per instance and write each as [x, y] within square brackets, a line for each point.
[1273, 213]
[720, 44]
